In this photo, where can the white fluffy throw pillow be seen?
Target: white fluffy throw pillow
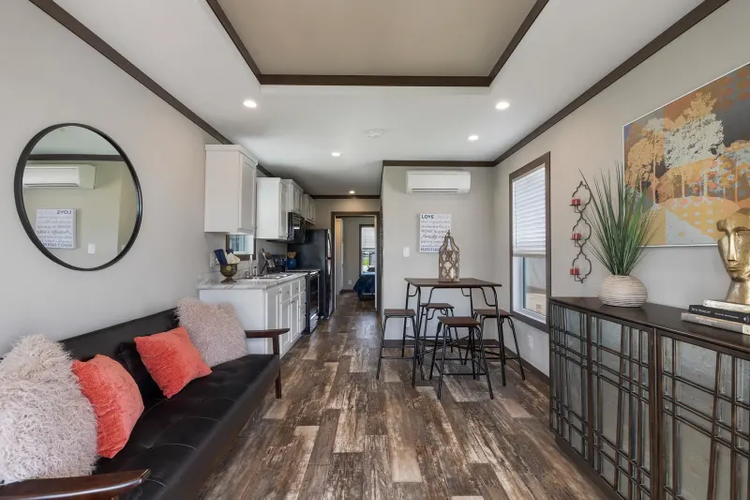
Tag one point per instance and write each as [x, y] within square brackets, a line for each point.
[47, 426]
[214, 329]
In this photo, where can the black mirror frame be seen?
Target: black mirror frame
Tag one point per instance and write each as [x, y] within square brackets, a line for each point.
[21, 207]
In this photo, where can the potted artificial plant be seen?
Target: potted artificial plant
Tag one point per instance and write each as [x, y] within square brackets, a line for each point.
[621, 226]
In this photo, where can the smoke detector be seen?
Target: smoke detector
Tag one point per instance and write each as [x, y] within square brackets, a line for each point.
[375, 133]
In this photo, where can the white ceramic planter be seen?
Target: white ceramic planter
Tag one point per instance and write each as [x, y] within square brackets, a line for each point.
[623, 291]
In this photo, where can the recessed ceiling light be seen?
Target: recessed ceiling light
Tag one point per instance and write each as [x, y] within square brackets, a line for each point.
[351, 192]
[473, 138]
[335, 153]
[502, 105]
[250, 104]
[374, 133]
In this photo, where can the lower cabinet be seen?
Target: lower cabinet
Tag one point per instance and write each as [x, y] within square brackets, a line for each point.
[280, 306]
[650, 411]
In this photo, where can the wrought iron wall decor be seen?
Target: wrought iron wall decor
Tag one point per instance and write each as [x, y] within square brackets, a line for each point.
[580, 268]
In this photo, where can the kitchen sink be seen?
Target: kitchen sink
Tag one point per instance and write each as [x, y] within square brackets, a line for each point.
[267, 277]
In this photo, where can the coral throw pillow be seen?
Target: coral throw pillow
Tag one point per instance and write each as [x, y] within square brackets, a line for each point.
[116, 400]
[171, 359]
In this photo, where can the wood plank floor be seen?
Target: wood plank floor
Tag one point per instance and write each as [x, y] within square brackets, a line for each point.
[339, 433]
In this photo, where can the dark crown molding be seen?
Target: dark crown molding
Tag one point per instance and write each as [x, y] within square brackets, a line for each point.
[346, 196]
[77, 28]
[437, 163]
[689, 20]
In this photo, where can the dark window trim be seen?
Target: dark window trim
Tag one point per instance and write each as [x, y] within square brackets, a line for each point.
[542, 160]
[360, 244]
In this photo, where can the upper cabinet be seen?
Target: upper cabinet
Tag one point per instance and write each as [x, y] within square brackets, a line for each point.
[294, 196]
[273, 220]
[230, 190]
[308, 208]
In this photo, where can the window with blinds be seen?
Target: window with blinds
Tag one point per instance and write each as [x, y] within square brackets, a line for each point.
[529, 245]
[367, 244]
[529, 221]
[368, 237]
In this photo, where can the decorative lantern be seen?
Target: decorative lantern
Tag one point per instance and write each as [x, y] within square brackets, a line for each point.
[448, 257]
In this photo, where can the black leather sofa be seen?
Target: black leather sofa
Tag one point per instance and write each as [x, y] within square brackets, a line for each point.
[177, 441]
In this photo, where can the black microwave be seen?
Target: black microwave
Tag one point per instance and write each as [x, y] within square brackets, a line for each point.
[297, 228]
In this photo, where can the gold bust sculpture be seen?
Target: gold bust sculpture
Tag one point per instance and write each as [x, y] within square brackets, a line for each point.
[734, 248]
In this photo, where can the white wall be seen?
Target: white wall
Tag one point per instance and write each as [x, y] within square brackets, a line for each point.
[591, 139]
[50, 76]
[323, 209]
[471, 228]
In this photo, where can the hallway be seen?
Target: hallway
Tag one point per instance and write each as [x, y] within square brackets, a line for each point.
[339, 433]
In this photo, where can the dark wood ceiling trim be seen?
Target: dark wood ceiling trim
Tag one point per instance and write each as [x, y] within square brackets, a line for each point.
[77, 28]
[376, 80]
[437, 163]
[263, 170]
[73, 157]
[665, 38]
[516, 40]
[224, 20]
[346, 196]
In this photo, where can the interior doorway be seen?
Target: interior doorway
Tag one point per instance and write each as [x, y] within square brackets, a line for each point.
[356, 264]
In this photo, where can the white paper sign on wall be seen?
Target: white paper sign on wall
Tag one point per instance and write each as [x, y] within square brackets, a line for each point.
[56, 227]
[432, 229]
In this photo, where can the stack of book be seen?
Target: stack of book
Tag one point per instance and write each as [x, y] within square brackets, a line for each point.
[720, 314]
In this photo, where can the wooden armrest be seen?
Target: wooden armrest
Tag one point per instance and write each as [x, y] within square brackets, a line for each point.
[265, 334]
[96, 487]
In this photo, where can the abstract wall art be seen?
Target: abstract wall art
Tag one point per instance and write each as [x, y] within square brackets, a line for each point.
[691, 158]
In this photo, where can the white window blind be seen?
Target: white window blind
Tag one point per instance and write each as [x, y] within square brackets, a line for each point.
[368, 237]
[529, 217]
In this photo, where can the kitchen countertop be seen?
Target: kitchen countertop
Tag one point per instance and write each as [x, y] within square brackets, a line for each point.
[212, 281]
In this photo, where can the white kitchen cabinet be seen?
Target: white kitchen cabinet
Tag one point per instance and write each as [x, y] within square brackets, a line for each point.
[229, 190]
[272, 218]
[308, 208]
[294, 196]
[281, 306]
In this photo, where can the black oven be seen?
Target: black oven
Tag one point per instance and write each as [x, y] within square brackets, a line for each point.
[313, 300]
[297, 227]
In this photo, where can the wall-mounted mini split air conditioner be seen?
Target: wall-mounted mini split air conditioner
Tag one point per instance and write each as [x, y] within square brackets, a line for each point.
[59, 176]
[438, 181]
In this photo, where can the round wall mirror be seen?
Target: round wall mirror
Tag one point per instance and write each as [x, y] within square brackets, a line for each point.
[78, 197]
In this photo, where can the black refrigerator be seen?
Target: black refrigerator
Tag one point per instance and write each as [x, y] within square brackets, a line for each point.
[315, 253]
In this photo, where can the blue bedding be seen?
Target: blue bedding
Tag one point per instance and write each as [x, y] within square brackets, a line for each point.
[365, 285]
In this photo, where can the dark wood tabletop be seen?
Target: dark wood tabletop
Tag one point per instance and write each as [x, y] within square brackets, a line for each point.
[664, 318]
[461, 283]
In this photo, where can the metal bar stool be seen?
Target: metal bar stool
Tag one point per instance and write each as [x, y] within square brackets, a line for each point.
[406, 315]
[427, 313]
[448, 323]
[484, 314]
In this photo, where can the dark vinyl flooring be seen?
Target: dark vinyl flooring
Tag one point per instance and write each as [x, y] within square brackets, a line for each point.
[338, 433]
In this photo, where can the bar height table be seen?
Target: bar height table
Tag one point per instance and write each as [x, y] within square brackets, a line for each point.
[463, 284]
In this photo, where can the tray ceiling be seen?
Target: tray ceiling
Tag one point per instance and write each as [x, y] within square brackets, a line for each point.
[384, 37]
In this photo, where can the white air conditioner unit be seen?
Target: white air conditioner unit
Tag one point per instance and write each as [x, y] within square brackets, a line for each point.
[59, 176]
[438, 181]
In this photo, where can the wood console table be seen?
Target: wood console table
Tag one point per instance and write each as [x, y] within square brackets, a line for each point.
[650, 406]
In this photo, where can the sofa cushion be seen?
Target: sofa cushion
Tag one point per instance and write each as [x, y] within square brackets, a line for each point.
[175, 437]
[214, 329]
[47, 427]
[171, 359]
[115, 398]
